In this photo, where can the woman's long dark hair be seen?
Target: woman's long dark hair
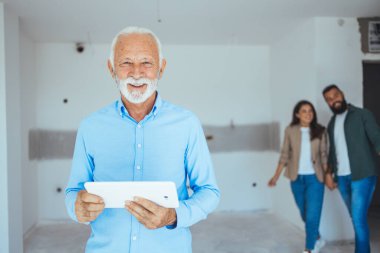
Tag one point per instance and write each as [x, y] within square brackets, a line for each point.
[316, 130]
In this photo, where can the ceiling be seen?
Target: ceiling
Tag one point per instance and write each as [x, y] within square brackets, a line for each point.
[177, 21]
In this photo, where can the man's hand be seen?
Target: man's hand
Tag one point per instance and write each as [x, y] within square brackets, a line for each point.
[151, 215]
[88, 206]
[329, 181]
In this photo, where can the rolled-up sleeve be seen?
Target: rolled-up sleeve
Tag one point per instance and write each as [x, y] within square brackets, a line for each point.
[81, 172]
[198, 165]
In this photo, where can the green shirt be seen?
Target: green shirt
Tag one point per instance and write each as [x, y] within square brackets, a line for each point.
[363, 143]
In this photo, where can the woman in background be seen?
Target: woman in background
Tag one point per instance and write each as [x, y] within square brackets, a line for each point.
[304, 154]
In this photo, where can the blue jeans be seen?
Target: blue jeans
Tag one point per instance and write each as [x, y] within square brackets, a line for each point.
[308, 194]
[357, 196]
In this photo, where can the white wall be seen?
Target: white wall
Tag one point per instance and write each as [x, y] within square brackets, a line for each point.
[11, 205]
[235, 79]
[292, 79]
[339, 60]
[236, 172]
[220, 84]
[28, 121]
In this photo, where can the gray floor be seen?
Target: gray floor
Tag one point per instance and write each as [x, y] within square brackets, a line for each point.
[227, 232]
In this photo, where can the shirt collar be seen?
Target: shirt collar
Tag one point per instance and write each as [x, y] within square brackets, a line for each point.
[124, 112]
[157, 104]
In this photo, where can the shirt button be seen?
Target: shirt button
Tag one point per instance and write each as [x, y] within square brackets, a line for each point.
[138, 126]
[138, 167]
[134, 238]
[139, 145]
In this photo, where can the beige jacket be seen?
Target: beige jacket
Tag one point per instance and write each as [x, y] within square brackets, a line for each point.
[291, 149]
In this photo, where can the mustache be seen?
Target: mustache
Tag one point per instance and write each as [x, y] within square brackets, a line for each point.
[339, 107]
[138, 82]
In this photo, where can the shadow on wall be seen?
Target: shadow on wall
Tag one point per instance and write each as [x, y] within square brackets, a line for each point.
[59, 144]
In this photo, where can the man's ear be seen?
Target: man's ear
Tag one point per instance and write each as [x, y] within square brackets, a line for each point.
[110, 68]
[162, 69]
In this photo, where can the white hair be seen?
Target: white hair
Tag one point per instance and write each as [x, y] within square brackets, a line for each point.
[135, 30]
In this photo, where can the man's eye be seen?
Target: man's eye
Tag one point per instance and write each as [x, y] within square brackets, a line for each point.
[147, 63]
[126, 64]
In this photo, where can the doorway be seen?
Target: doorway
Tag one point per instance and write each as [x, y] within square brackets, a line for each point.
[371, 94]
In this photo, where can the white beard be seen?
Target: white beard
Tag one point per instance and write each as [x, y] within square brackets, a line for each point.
[137, 97]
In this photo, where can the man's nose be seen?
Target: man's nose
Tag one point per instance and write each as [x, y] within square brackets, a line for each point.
[137, 72]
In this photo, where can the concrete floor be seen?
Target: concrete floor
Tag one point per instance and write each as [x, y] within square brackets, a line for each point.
[227, 232]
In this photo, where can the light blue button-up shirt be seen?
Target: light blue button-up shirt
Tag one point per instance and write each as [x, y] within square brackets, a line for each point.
[167, 145]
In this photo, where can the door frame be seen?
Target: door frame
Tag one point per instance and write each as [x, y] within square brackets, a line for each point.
[377, 189]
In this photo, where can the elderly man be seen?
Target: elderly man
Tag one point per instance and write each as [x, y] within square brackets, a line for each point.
[141, 137]
[354, 142]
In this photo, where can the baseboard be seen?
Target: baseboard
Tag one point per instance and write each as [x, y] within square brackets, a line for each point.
[29, 231]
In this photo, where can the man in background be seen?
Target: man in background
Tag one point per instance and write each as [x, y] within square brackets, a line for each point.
[354, 145]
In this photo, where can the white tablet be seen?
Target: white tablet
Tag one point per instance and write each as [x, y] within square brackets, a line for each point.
[115, 194]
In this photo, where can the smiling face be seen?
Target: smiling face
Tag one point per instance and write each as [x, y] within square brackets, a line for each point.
[305, 115]
[136, 66]
[335, 100]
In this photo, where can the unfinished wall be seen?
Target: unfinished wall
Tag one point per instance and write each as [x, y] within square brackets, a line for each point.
[246, 85]
[219, 83]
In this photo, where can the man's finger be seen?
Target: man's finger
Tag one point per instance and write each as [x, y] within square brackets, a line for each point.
[93, 214]
[84, 214]
[90, 216]
[92, 207]
[83, 219]
[91, 198]
[147, 204]
[134, 213]
[147, 222]
[141, 210]
[138, 216]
